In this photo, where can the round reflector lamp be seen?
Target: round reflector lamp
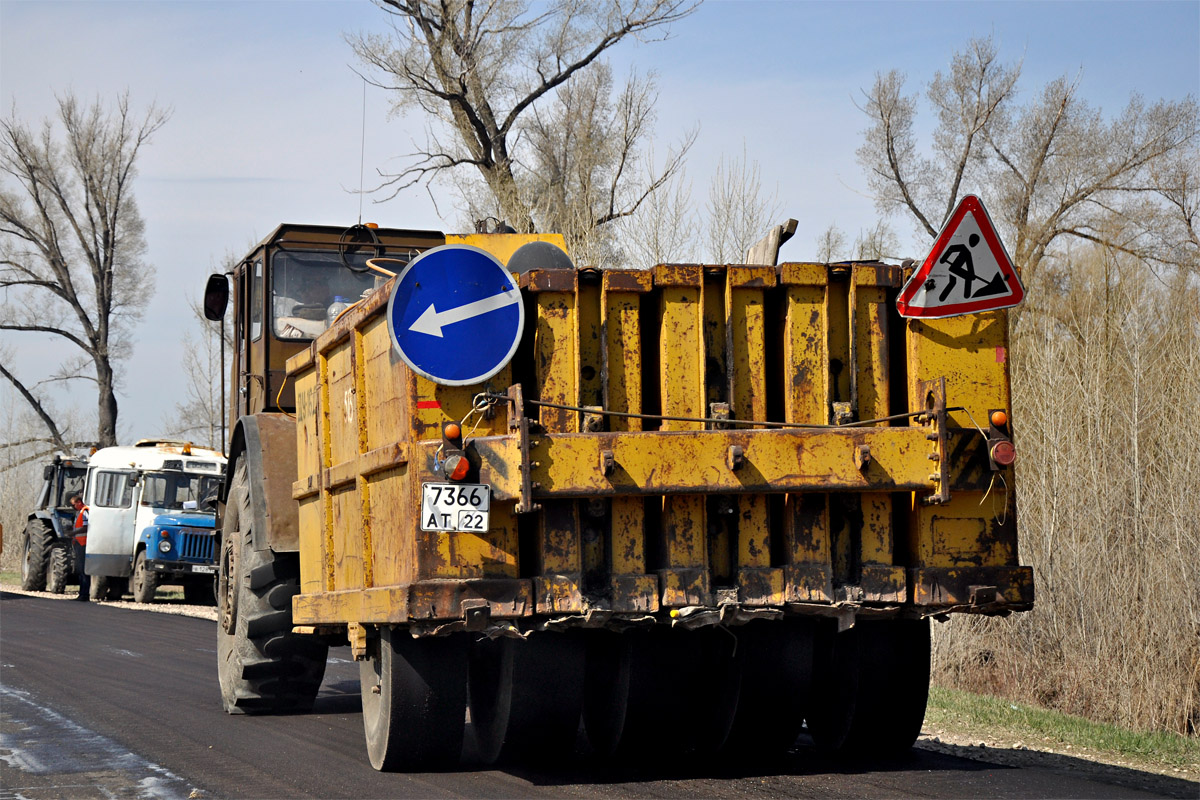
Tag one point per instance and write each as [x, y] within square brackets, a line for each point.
[1004, 454]
[457, 467]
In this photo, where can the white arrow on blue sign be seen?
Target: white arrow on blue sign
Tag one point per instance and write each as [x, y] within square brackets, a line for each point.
[455, 315]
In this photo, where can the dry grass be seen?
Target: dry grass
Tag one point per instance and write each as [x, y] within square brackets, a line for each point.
[1106, 389]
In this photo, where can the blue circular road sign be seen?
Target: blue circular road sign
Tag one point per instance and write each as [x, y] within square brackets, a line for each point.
[455, 315]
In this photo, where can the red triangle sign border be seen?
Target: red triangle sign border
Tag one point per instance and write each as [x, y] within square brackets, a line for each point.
[970, 204]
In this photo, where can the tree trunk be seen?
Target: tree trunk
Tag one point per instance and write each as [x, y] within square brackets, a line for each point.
[106, 410]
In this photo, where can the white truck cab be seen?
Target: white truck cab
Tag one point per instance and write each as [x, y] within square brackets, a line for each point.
[152, 516]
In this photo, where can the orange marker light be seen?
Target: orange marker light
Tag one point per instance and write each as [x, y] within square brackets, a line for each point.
[452, 431]
[999, 419]
[372, 225]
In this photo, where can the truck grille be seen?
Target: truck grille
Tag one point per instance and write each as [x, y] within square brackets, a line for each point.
[196, 546]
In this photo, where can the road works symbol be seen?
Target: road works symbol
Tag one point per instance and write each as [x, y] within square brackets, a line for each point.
[455, 315]
[967, 271]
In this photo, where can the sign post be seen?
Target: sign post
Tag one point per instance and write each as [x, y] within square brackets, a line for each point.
[455, 315]
[967, 271]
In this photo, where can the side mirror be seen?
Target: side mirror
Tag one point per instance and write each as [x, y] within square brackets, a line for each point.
[47, 473]
[132, 480]
[216, 297]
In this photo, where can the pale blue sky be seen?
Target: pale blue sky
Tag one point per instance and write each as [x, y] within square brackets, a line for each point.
[268, 113]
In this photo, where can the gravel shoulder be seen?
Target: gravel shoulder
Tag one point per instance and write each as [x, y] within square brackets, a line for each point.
[165, 606]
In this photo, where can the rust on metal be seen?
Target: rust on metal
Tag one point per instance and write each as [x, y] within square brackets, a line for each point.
[596, 515]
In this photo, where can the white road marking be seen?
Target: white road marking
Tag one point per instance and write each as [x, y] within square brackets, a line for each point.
[47, 743]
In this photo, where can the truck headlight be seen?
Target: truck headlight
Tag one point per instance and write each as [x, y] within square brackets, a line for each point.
[164, 546]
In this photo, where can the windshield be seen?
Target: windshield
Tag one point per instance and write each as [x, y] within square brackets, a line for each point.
[72, 484]
[305, 284]
[180, 491]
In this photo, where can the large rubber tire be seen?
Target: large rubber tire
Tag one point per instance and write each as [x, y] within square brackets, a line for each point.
[777, 671]
[144, 583]
[100, 590]
[39, 538]
[641, 684]
[414, 694]
[261, 665]
[58, 573]
[199, 591]
[871, 689]
[526, 696]
[117, 587]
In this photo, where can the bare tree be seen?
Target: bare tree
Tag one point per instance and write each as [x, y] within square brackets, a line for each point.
[71, 244]
[1051, 171]
[738, 211]
[831, 244]
[665, 228]
[510, 92]
[877, 243]
[199, 417]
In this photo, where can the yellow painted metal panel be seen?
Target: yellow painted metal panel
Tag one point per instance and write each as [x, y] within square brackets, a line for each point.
[965, 532]
[502, 245]
[557, 359]
[312, 574]
[746, 343]
[621, 323]
[621, 294]
[587, 333]
[392, 546]
[971, 353]
[683, 462]
[871, 368]
[681, 388]
[343, 405]
[681, 356]
[806, 399]
[347, 542]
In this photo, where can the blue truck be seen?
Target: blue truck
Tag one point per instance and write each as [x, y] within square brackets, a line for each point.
[152, 515]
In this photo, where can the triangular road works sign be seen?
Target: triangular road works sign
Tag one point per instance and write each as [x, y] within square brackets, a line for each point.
[967, 271]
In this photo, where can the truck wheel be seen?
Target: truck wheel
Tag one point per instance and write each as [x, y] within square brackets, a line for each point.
[893, 687]
[116, 588]
[199, 591]
[100, 590]
[637, 683]
[262, 666]
[414, 698]
[38, 540]
[144, 582]
[606, 689]
[526, 696]
[777, 666]
[871, 689]
[58, 574]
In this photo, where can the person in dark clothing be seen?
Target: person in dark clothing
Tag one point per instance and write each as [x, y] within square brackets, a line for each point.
[78, 545]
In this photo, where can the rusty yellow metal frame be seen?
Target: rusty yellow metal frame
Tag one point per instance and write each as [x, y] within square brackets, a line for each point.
[698, 462]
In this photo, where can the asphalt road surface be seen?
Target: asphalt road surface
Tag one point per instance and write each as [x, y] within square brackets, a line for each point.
[104, 702]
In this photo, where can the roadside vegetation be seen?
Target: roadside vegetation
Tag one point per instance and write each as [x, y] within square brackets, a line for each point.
[975, 718]
[1106, 378]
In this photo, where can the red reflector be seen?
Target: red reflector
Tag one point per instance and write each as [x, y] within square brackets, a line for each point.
[1004, 454]
[457, 467]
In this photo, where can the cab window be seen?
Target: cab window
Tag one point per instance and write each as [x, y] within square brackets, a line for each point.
[304, 284]
[112, 490]
[178, 490]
